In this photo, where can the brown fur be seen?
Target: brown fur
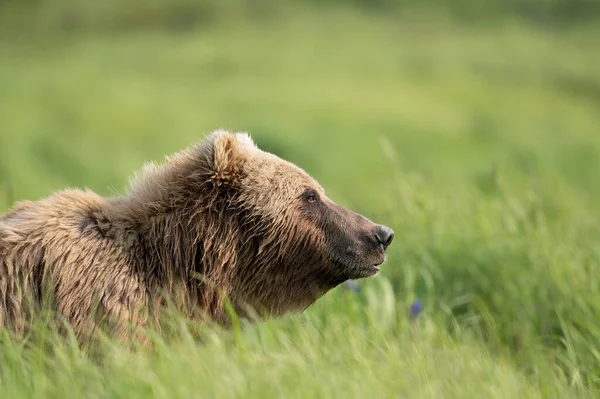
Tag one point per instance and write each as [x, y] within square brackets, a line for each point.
[218, 220]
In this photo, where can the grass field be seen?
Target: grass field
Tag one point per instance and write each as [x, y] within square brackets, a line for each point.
[478, 144]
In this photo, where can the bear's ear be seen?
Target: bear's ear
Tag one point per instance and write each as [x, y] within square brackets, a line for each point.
[230, 151]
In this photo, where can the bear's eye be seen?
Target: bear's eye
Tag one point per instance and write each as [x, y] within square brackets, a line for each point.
[310, 197]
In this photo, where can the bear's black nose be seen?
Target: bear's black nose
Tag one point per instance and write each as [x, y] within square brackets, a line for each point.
[384, 235]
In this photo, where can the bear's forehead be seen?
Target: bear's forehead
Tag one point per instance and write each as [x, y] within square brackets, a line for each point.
[273, 171]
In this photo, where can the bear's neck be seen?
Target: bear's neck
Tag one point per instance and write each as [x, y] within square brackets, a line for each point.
[202, 259]
[193, 257]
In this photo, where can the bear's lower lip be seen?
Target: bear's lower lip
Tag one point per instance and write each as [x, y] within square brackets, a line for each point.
[370, 270]
[358, 271]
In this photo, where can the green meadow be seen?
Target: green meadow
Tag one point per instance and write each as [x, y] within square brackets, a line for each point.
[476, 139]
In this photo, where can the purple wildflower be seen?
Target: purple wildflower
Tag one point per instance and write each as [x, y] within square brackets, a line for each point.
[415, 309]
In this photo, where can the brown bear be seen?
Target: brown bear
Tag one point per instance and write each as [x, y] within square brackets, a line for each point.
[221, 223]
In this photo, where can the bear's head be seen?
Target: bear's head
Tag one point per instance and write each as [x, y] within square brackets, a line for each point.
[293, 242]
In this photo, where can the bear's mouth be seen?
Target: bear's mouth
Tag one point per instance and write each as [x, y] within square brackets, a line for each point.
[372, 270]
[353, 270]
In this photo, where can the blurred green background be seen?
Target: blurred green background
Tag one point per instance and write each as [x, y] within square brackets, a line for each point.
[472, 128]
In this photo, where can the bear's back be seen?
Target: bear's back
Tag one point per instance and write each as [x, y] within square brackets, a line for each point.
[58, 215]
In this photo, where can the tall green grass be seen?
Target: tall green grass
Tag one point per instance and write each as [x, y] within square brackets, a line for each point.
[478, 145]
[350, 345]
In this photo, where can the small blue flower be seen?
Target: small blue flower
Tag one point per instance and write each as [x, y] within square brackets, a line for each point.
[416, 308]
